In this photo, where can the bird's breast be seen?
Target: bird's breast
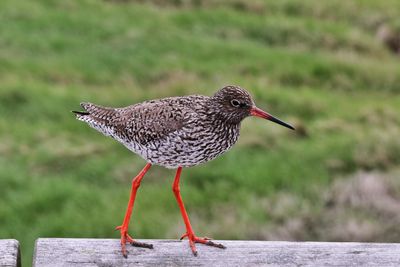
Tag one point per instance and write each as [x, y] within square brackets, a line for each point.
[191, 145]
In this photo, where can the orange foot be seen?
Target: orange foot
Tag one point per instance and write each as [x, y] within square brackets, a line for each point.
[125, 237]
[202, 240]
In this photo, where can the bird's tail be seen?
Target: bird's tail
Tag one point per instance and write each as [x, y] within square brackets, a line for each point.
[95, 113]
[81, 113]
[97, 117]
[87, 113]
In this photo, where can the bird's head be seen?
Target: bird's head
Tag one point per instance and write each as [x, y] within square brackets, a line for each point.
[234, 104]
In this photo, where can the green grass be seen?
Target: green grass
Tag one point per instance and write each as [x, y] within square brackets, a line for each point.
[324, 71]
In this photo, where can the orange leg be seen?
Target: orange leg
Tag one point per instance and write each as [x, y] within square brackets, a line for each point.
[193, 239]
[125, 237]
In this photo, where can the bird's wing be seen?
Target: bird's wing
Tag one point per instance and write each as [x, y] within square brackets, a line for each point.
[152, 120]
[142, 123]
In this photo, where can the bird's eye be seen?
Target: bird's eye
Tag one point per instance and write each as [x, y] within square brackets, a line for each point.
[235, 103]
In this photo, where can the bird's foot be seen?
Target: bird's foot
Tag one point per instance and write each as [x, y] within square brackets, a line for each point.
[126, 238]
[202, 240]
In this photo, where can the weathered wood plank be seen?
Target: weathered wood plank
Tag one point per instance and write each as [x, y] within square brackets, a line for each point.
[9, 253]
[106, 252]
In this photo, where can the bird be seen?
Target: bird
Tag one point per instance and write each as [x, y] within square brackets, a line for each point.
[175, 133]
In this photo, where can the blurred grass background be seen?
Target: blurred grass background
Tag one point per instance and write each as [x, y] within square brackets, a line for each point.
[329, 67]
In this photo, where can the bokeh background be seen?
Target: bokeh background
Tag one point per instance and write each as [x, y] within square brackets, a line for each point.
[329, 67]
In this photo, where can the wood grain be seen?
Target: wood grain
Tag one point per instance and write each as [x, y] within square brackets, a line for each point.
[9, 253]
[106, 252]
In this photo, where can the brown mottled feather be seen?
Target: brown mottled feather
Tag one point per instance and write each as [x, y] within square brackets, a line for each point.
[175, 131]
[150, 119]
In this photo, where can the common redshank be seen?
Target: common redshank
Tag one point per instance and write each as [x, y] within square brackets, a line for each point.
[175, 132]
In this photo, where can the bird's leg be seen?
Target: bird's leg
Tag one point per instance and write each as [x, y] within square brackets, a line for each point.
[125, 237]
[193, 239]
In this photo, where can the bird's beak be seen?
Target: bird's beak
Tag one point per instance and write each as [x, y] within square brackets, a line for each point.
[255, 111]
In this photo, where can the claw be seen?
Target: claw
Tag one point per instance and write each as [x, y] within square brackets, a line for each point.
[193, 246]
[123, 246]
[212, 244]
[183, 236]
[206, 241]
[126, 238]
[140, 244]
[202, 240]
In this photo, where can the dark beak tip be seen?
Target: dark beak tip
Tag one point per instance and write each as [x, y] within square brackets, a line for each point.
[262, 114]
[289, 126]
[278, 121]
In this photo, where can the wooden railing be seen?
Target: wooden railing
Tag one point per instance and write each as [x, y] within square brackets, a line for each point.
[9, 253]
[106, 252]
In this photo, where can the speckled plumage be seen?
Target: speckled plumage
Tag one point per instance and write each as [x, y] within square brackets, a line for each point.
[176, 131]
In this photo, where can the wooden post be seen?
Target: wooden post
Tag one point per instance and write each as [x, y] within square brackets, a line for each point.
[9, 253]
[106, 252]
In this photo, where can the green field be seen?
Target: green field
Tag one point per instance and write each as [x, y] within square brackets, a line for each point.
[316, 64]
